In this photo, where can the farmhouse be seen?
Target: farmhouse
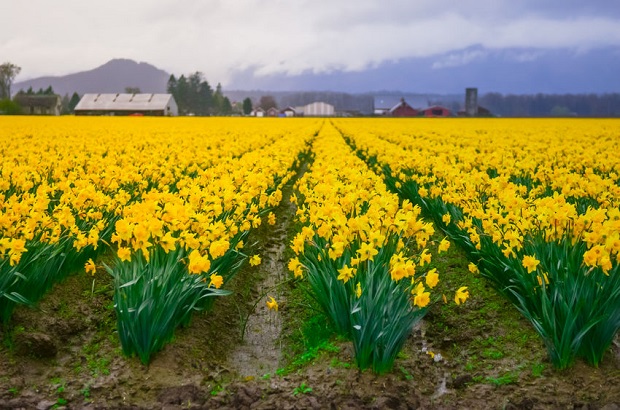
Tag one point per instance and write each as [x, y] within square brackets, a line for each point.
[39, 104]
[127, 104]
[288, 112]
[258, 112]
[272, 112]
[402, 109]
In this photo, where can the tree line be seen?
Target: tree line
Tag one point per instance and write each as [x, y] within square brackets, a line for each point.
[554, 105]
[194, 96]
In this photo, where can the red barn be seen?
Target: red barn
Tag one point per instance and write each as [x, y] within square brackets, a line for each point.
[402, 109]
[436, 111]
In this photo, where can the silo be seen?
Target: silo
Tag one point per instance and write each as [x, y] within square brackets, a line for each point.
[471, 102]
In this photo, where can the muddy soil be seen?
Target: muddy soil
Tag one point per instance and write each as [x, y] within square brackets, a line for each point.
[65, 353]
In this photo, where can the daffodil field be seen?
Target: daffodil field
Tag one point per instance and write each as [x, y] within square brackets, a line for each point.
[535, 204]
[168, 205]
[363, 252]
[173, 204]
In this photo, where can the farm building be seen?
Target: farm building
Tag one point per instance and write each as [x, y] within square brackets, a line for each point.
[435, 111]
[127, 104]
[288, 112]
[272, 112]
[384, 103]
[258, 112]
[402, 109]
[38, 104]
[318, 109]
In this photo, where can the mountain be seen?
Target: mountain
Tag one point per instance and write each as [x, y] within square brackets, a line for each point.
[508, 71]
[112, 77]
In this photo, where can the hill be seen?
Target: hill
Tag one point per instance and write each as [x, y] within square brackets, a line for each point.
[112, 77]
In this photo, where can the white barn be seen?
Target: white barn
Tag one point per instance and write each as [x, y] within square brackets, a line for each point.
[127, 104]
[318, 109]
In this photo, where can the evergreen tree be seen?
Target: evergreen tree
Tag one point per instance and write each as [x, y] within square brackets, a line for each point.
[75, 99]
[193, 94]
[226, 106]
[205, 98]
[247, 106]
[218, 100]
[182, 95]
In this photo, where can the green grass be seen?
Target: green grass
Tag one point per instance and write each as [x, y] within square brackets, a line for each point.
[307, 332]
[302, 389]
[505, 379]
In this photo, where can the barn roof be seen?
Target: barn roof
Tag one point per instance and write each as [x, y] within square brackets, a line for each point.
[401, 103]
[124, 102]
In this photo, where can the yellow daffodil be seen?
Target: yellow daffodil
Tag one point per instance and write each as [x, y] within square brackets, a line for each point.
[272, 304]
[443, 246]
[432, 278]
[90, 267]
[216, 281]
[255, 260]
[461, 295]
[345, 273]
[530, 263]
[367, 252]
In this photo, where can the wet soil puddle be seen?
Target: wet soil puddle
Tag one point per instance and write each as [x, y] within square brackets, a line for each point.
[260, 351]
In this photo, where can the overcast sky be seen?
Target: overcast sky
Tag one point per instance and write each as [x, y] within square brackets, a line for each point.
[293, 36]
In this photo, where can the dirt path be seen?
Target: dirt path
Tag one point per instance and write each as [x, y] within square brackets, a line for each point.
[260, 351]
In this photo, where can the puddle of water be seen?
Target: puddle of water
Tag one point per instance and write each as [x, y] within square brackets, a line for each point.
[261, 351]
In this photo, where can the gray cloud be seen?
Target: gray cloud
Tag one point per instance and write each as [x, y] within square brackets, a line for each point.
[221, 37]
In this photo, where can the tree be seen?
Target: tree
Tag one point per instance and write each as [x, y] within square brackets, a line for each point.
[205, 98]
[172, 86]
[192, 94]
[75, 99]
[560, 111]
[132, 90]
[182, 92]
[8, 72]
[247, 106]
[267, 102]
[64, 110]
[200, 95]
[218, 100]
[226, 107]
[9, 107]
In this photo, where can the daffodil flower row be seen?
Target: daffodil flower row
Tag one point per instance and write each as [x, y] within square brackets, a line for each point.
[348, 215]
[553, 177]
[365, 254]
